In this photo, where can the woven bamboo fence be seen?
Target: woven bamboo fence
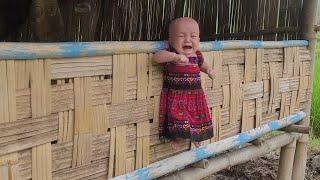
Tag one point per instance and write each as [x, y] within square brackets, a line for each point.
[97, 117]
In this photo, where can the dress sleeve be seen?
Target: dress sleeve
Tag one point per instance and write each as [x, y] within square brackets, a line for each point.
[200, 58]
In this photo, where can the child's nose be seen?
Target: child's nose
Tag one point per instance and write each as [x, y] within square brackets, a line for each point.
[187, 39]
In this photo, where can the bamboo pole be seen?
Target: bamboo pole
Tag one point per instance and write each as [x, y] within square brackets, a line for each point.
[179, 161]
[9, 50]
[307, 31]
[233, 158]
[286, 161]
[297, 128]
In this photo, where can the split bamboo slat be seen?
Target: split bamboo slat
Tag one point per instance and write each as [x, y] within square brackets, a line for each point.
[96, 117]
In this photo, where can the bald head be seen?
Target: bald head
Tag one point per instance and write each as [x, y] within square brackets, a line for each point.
[180, 22]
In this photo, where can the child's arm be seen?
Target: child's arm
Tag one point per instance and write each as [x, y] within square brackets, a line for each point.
[166, 56]
[207, 69]
[204, 66]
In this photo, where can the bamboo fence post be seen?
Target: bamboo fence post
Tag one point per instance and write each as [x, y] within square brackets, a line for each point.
[307, 29]
[286, 161]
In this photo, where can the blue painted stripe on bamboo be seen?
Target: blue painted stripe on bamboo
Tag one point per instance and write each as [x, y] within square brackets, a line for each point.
[89, 49]
[273, 125]
[179, 161]
[256, 44]
[141, 174]
[217, 45]
[201, 153]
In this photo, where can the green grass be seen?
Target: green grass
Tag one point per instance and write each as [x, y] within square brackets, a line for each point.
[315, 108]
[314, 143]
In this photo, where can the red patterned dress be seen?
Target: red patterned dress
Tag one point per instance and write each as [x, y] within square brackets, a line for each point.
[183, 108]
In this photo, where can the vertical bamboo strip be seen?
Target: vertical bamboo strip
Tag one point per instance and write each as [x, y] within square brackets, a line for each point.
[250, 64]
[142, 68]
[235, 91]
[61, 119]
[118, 96]
[296, 72]
[42, 162]
[4, 109]
[41, 106]
[258, 79]
[143, 132]
[150, 69]
[288, 67]
[208, 57]
[22, 70]
[245, 122]
[216, 121]
[70, 129]
[61, 129]
[143, 129]
[7, 92]
[100, 120]
[120, 159]
[226, 96]
[9, 167]
[129, 164]
[283, 104]
[119, 79]
[274, 82]
[296, 61]
[11, 90]
[112, 153]
[249, 76]
[4, 172]
[40, 88]
[65, 125]
[156, 109]
[217, 67]
[83, 122]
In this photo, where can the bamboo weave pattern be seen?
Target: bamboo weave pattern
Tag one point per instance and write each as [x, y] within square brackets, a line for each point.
[97, 117]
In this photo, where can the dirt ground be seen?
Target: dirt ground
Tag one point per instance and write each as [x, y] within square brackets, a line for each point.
[264, 168]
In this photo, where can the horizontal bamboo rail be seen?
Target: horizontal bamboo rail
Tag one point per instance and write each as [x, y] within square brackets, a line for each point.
[89, 49]
[179, 161]
[298, 129]
[233, 158]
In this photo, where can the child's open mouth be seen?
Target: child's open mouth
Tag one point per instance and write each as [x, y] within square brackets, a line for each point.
[187, 47]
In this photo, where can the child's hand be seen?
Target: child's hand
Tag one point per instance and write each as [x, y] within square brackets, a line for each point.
[181, 59]
[210, 73]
